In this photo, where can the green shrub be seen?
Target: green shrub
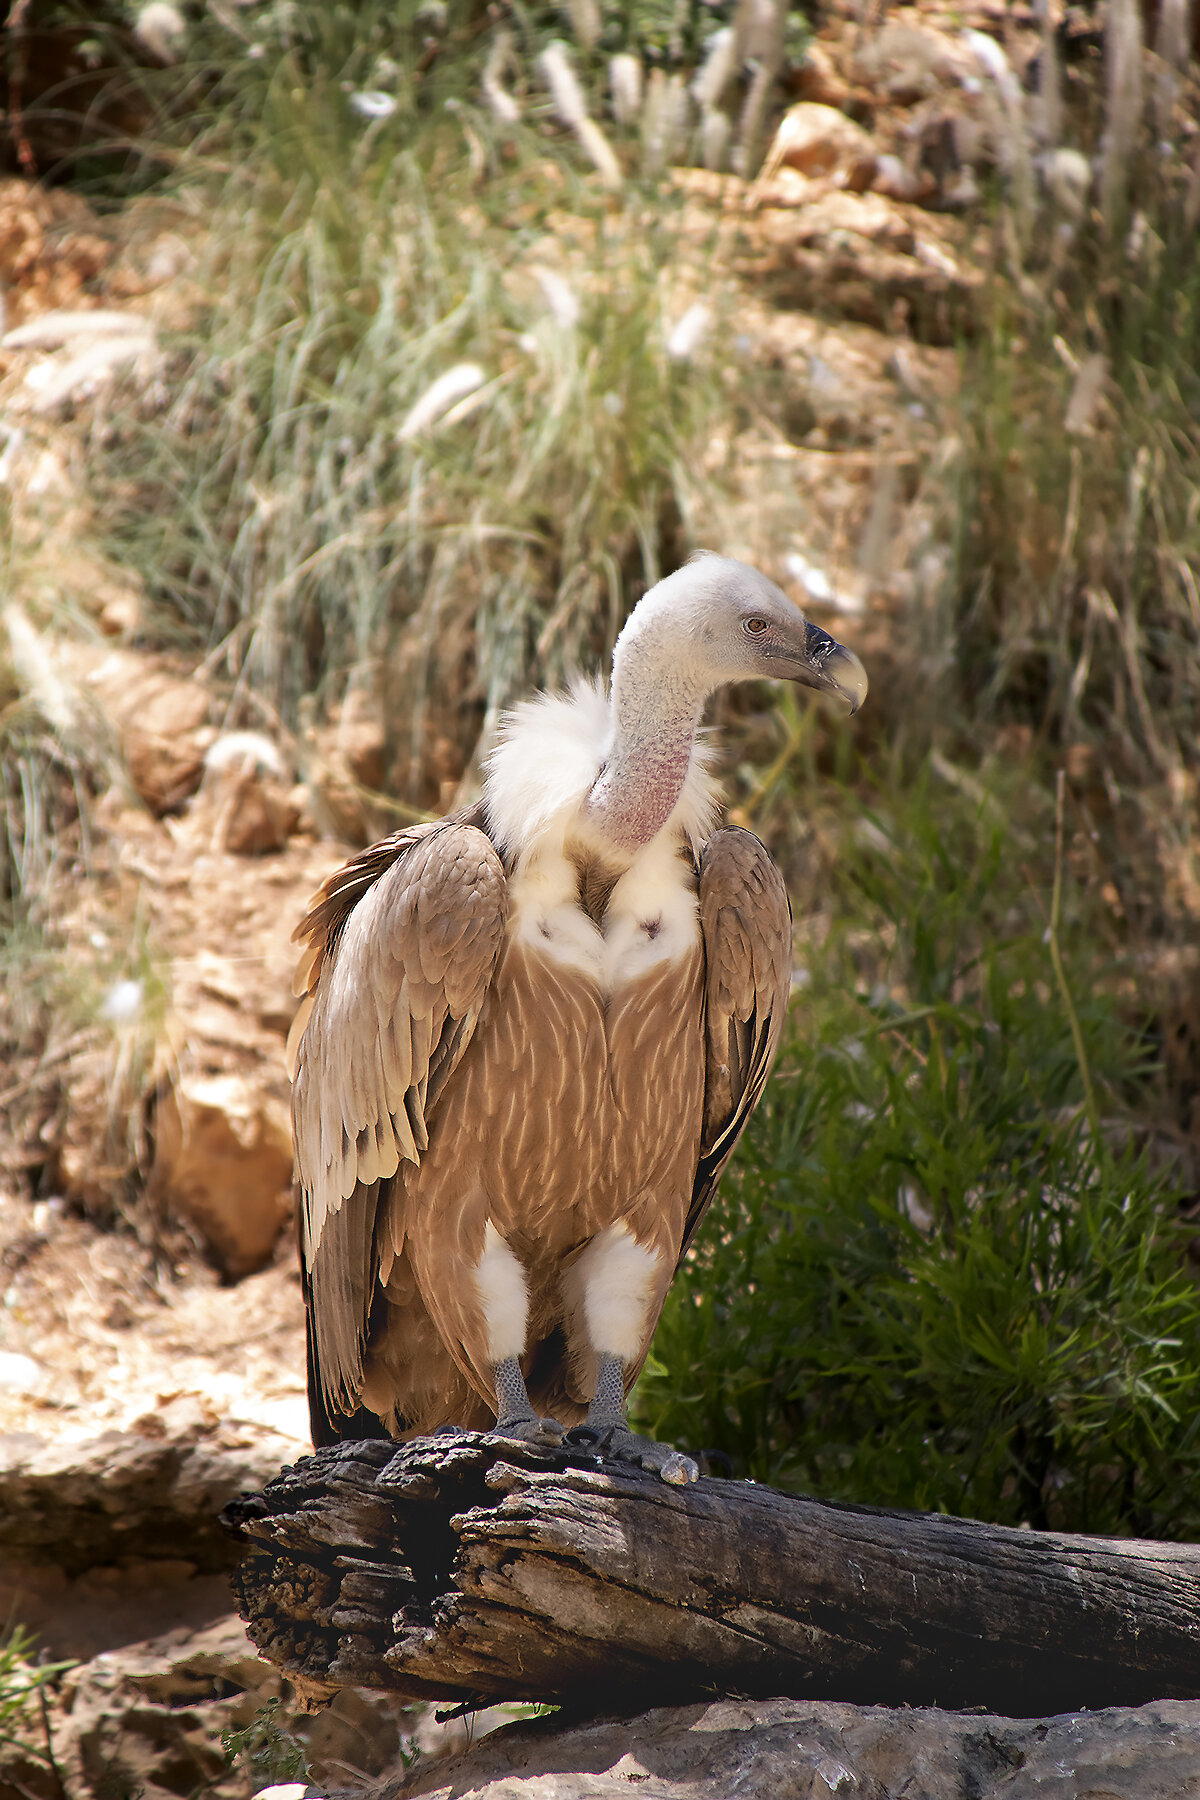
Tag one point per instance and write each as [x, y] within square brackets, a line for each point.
[265, 1750]
[930, 1282]
[24, 1682]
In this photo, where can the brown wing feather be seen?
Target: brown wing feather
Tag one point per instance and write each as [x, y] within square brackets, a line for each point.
[746, 923]
[401, 947]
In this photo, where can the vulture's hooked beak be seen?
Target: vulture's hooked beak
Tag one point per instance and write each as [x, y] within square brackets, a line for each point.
[827, 666]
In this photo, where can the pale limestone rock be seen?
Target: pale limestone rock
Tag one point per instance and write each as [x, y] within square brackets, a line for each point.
[820, 140]
[156, 715]
[893, 266]
[153, 1714]
[908, 60]
[808, 1750]
[158, 1706]
[223, 1159]
[161, 31]
[59, 383]
[246, 804]
[20, 1374]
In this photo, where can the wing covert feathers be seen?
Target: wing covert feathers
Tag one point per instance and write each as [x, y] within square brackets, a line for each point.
[401, 945]
[746, 924]
[400, 951]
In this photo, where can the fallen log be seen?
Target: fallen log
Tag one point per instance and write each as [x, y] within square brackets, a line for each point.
[467, 1569]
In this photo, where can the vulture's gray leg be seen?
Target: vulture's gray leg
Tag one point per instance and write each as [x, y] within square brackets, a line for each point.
[515, 1417]
[606, 1417]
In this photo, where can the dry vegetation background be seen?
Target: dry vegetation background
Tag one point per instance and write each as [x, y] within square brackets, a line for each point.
[361, 367]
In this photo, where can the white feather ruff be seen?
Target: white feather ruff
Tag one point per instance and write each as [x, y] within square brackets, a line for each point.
[547, 756]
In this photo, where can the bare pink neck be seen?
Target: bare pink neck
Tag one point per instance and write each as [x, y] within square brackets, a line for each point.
[656, 711]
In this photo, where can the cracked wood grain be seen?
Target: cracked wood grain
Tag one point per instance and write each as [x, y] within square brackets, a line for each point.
[461, 1568]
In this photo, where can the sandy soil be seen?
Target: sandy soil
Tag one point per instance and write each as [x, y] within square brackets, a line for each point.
[97, 1331]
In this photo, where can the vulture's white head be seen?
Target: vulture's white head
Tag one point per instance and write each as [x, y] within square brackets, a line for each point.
[619, 770]
[715, 621]
[711, 622]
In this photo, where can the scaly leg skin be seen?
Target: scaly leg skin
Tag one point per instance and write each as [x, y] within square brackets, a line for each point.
[606, 1417]
[516, 1417]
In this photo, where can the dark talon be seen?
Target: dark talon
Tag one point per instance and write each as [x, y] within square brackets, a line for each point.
[583, 1437]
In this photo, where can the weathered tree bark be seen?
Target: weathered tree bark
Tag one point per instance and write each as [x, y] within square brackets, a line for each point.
[459, 1568]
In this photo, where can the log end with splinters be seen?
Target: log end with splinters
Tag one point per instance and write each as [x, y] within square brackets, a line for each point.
[472, 1570]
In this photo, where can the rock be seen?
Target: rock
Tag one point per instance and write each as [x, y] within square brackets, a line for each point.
[875, 260]
[52, 248]
[837, 217]
[810, 1750]
[157, 715]
[347, 765]
[159, 738]
[374, 1734]
[908, 60]
[223, 1159]
[945, 149]
[152, 1493]
[254, 814]
[196, 1711]
[151, 1716]
[820, 140]
[246, 804]
[359, 738]
[60, 383]
[847, 597]
[899, 180]
[20, 1374]
[1067, 178]
[109, 1544]
[161, 31]
[820, 80]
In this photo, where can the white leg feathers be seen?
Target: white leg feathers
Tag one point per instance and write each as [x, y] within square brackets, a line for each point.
[503, 1297]
[618, 1281]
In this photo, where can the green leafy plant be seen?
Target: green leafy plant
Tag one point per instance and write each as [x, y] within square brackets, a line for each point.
[24, 1685]
[931, 1281]
[265, 1748]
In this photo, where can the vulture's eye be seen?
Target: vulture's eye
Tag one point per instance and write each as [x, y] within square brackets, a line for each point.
[754, 626]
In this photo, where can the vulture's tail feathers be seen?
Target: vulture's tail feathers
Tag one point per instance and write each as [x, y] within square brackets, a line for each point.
[328, 1425]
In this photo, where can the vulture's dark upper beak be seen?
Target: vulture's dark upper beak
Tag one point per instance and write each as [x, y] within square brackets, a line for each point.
[826, 665]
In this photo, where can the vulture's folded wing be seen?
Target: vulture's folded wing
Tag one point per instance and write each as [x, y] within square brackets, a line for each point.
[401, 947]
[746, 923]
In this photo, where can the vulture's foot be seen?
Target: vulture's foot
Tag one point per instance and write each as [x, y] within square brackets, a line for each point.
[605, 1428]
[617, 1443]
[544, 1433]
[515, 1417]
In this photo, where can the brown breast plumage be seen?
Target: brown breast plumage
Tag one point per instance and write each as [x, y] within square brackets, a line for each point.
[574, 1111]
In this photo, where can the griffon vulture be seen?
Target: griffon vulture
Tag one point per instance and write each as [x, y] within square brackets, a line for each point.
[531, 1036]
